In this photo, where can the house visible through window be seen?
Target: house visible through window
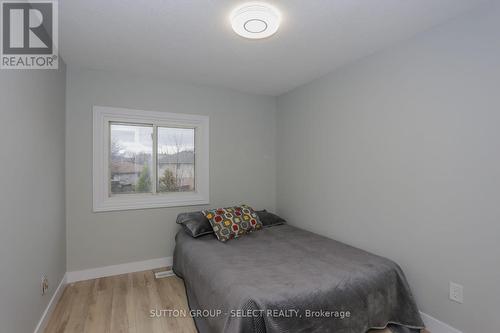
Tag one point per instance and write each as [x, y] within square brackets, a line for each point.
[132, 164]
[131, 158]
[176, 170]
[146, 159]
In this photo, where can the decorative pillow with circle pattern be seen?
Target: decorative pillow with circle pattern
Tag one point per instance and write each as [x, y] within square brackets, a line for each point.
[232, 222]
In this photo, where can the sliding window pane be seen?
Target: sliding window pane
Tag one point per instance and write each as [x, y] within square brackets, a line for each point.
[176, 162]
[131, 157]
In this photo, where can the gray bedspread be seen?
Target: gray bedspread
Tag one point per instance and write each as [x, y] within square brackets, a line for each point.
[285, 279]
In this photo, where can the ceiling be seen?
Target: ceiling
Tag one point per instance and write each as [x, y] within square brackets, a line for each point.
[192, 41]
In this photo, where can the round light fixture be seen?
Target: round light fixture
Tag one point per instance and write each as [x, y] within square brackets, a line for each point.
[255, 20]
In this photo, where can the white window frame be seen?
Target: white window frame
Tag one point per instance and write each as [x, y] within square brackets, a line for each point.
[102, 198]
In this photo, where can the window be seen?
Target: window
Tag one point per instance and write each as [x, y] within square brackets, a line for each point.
[147, 159]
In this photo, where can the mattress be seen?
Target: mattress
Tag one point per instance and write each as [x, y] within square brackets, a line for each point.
[285, 279]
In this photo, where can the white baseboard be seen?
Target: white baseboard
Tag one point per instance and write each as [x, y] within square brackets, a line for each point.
[137, 266]
[434, 325]
[44, 320]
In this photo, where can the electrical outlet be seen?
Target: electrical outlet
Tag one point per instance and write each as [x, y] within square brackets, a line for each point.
[456, 292]
[45, 284]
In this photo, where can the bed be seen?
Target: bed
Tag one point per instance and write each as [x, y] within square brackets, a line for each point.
[285, 279]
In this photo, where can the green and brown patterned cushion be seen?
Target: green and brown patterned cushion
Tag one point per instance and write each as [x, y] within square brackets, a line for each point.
[232, 222]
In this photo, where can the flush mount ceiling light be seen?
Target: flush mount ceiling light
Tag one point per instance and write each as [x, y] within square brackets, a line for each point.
[255, 20]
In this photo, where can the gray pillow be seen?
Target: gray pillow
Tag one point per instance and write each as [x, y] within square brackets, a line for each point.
[269, 219]
[195, 224]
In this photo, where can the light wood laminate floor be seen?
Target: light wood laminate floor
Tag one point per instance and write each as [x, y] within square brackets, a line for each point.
[122, 304]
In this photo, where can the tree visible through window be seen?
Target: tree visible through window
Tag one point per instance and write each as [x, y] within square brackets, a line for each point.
[131, 158]
[175, 159]
[134, 166]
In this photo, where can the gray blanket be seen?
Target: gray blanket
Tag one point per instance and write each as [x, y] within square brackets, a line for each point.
[285, 279]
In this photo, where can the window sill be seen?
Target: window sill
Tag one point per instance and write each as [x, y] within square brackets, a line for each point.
[147, 201]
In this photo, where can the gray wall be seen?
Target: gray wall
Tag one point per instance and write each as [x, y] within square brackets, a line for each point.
[32, 218]
[242, 162]
[399, 154]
